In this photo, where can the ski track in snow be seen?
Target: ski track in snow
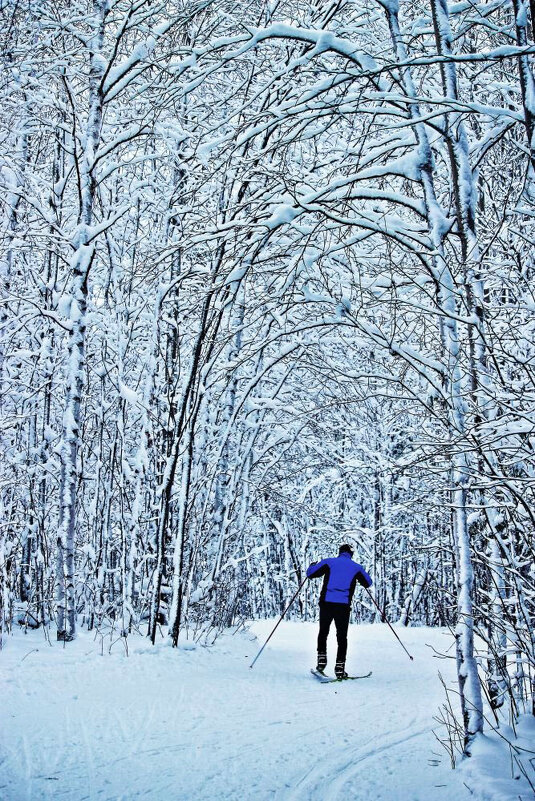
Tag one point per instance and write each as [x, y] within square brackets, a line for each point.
[197, 724]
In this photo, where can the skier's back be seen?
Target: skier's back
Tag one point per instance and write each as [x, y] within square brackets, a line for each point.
[340, 576]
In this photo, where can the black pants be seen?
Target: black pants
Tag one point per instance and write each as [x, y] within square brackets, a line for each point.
[340, 614]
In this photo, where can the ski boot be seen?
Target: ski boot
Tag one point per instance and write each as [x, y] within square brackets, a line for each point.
[322, 663]
[339, 671]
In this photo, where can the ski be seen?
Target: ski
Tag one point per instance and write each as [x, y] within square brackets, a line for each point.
[321, 677]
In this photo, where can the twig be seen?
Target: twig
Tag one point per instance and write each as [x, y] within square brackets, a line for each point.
[28, 654]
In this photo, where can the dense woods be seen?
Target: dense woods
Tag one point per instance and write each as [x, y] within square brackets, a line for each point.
[267, 286]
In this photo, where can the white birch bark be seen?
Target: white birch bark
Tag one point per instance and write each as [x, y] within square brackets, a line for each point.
[81, 262]
[469, 686]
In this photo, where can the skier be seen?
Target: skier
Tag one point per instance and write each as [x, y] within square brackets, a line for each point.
[340, 576]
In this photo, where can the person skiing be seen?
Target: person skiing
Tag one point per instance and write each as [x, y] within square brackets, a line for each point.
[340, 576]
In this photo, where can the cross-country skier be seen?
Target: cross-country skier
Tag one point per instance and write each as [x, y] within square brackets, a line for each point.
[340, 576]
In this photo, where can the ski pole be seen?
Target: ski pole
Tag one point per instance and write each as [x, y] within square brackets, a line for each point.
[279, 621]
[383, 616]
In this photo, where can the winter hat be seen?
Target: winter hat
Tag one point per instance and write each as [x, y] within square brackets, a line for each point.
[345, 548]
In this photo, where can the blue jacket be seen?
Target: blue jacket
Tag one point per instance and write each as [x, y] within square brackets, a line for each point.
[340, 577]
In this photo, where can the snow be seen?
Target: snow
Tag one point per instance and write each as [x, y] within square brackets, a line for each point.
[88, 721]
[128, 394]
[236, 274]
[496, 769]
[283, 213]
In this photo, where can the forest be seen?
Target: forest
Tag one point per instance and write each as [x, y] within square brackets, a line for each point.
[267, 286]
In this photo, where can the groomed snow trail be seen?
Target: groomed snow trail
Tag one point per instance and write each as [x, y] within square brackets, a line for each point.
[196, 724]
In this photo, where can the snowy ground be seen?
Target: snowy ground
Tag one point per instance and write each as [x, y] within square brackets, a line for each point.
[197, 724]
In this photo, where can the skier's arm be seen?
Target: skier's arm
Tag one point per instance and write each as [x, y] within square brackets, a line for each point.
[317, 569]
[363, 578]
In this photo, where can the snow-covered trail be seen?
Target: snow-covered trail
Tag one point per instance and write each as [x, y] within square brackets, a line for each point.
[197, 723]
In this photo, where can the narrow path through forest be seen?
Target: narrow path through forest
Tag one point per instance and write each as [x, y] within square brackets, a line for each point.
[197, 723]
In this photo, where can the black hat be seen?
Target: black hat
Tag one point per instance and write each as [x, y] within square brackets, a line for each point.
[345, 548]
